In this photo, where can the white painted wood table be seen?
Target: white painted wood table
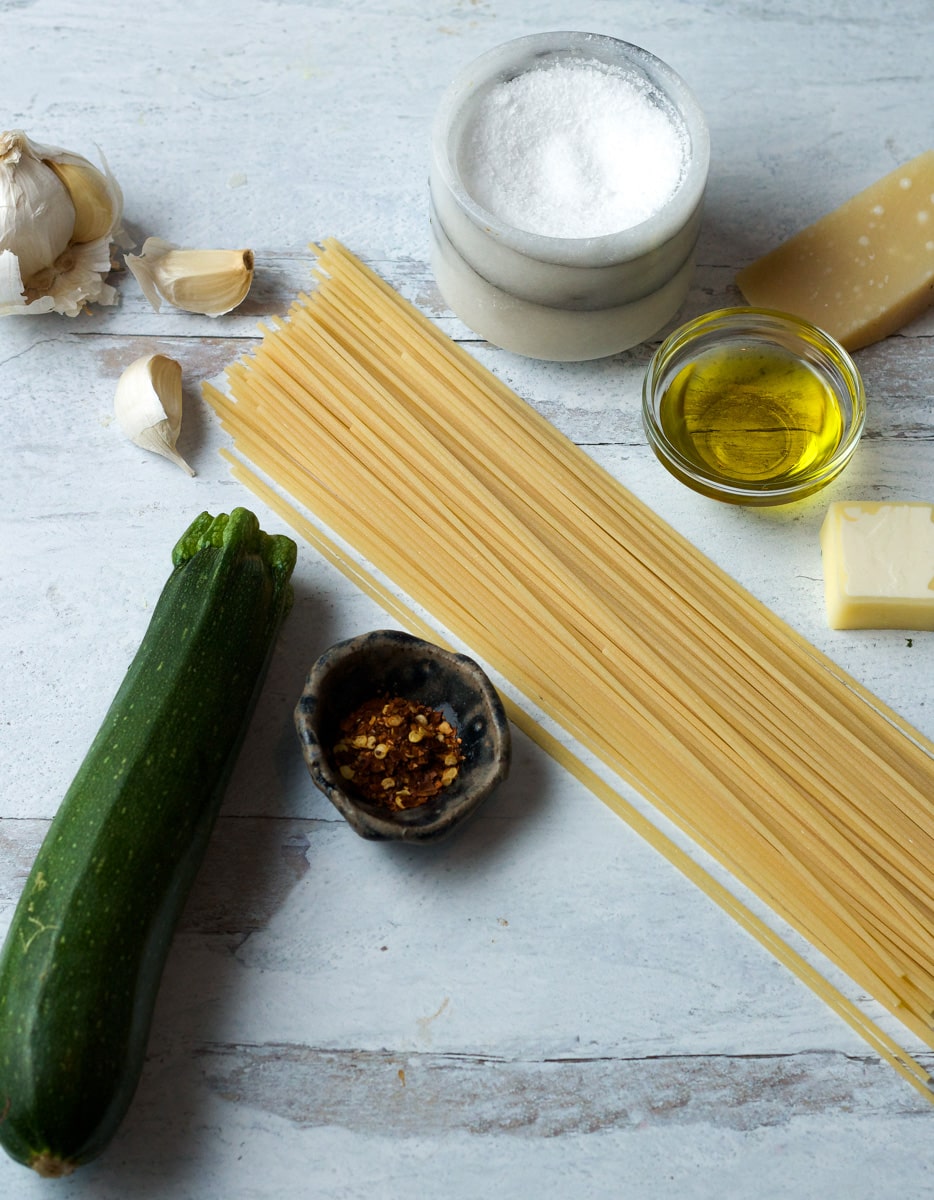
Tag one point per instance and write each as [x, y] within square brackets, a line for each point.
[540, 1006]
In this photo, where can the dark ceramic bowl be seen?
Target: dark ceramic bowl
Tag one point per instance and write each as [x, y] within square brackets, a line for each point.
[389, 662]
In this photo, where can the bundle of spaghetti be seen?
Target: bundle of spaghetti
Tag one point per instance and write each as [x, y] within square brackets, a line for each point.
[796, 779]
[363, 577]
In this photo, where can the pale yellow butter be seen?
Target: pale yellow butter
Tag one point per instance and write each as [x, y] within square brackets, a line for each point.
[862, 271]
[879, 565]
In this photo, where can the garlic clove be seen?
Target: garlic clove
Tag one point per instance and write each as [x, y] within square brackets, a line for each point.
[211, 282]
[96, 197]
[37, 216]
[148, 405]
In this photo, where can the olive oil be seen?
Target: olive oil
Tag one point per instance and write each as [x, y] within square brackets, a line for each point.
[755, 414]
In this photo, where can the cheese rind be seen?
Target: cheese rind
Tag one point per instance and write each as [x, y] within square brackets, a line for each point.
[862, 271]
[879, 565]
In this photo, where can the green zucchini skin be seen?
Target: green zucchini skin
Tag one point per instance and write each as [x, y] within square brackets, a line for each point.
[81, 964]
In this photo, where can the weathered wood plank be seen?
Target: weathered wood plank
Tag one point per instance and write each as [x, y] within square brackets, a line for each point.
[431, 1095]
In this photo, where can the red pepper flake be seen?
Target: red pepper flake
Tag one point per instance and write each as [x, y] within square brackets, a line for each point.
[397, 753]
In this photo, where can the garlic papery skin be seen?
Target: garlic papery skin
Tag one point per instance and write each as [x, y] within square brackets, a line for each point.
[58, 216]
[148, 405]
[37, 216]
[211, 282]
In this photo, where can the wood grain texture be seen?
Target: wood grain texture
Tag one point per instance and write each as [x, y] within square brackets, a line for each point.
[540, 1006]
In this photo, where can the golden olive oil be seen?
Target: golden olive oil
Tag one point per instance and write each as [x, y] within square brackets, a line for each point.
[756, 414]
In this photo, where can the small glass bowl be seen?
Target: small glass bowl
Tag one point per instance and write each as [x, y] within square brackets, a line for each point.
[389, 662]
[752, 406]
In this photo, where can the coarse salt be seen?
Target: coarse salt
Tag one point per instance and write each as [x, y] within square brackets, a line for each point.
[572, 150]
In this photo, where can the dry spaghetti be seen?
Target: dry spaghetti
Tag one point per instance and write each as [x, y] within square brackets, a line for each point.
[795, 778]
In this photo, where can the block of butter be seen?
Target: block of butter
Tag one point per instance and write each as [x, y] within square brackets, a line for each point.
[862, 271]
[879, 565]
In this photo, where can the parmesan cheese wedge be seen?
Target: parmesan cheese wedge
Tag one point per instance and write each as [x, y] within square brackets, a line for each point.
[862, 271]
[879, 565]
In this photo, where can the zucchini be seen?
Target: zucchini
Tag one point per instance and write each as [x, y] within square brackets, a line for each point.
[83, 958]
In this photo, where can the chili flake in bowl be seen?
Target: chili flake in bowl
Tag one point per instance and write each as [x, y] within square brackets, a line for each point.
[397, 752]
[404, 737]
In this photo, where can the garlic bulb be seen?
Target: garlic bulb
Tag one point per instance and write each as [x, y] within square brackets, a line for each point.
[211, 282]
[148, 405]
[58, 216]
